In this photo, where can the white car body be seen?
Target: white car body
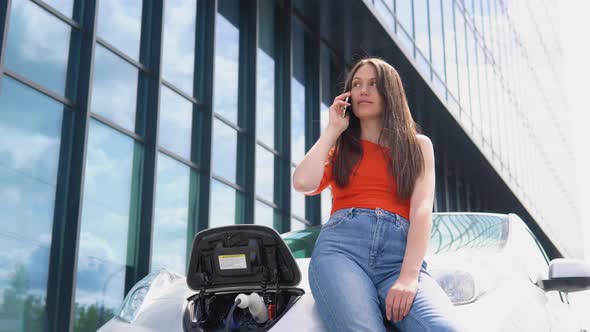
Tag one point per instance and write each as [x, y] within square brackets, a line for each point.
[507, 297]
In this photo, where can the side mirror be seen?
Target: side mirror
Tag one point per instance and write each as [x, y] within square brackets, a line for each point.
[566, 275]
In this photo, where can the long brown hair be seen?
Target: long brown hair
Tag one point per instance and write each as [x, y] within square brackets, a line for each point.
[398, 133]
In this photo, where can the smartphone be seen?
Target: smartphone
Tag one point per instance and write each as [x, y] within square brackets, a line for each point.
[345, 107]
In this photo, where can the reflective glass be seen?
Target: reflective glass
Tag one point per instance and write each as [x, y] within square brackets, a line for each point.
[473, 81]
[102, 257]
[326, 195]
[224, 153]
[404, 15]
[264, 214]
[114, 90]
[38, 51]
[329, 72]
[265, 78]
[30, 131]
[64, 6]
[328, 69]
[450, 49]
[119, 24]
[326, 204]
[296, 225]
[178, 52]
[462, 63]
[421, 27]
[265, 162]
[477, 15]
[486, 22]
[298, 93]
[227, 51]
[387, 3]
[436, 37]
[223, 205]
[385, 10]
[170, 215]
[176, 116]
[494, 95]
[297, 200]
[484, 67]
[302, 243]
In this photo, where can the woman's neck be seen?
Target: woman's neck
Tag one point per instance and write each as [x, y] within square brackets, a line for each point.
[370, 129]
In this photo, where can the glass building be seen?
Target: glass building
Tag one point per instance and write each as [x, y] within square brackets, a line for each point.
[128, 126]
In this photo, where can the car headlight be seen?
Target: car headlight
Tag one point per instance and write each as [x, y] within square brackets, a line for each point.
[459, 285]
[134, 300]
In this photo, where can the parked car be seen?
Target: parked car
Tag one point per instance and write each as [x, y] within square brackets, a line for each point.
[491, 266]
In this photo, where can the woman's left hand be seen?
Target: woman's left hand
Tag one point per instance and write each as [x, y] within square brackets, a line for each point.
[400, 298]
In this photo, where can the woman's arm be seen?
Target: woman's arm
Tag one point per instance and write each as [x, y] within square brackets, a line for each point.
[401, 295]
[421, 204]
[309, 172]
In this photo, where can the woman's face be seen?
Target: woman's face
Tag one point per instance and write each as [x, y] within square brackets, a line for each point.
[366, 100]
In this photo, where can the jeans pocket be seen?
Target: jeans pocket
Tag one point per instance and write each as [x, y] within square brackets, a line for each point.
[403, 224]
[335, 221]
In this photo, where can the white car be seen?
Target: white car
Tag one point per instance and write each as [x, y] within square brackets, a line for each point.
[490, 265]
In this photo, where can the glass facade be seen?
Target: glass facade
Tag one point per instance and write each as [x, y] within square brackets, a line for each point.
[502, 84]
[158, 122]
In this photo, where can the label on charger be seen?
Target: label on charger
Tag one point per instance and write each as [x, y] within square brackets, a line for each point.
[230, 262]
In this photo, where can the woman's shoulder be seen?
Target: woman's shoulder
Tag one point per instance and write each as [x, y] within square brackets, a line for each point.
[423, 140]
[425, 144]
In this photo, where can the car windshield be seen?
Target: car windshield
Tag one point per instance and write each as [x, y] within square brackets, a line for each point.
[450, 232]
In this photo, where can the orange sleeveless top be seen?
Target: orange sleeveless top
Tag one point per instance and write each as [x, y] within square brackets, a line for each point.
[369, 184]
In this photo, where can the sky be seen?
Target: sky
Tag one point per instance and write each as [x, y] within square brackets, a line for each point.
[573, 23]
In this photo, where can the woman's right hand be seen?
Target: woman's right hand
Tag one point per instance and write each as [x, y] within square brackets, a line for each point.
[336, 122]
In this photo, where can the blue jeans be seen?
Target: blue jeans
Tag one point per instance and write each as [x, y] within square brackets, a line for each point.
[356, 259]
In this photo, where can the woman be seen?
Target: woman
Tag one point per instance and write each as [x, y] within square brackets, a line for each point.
[368, 262]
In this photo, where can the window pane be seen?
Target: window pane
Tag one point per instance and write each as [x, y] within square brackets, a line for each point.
[264, 215]
[473, 83]
[119, 23]
[227, 50]
[327, 68]
[297, 200]
[404, 15]
[170, 215]
[102, 258]
[178, 53]
[297, 225]
[223, 205]
[30, 129]
[421, 26]
[175, 123]
[436, 37]
[264, 173]
[265, 78]
[224, 152]
[64, 6]
[114, 90]
[484, 67]
[385, 10]
[450, 49]
[298, 94]
[326, 204]
[462, 63]
[38, 51]
[468, 6]
[477, 15]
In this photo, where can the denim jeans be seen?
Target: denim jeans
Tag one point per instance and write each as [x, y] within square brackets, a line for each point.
[357, 258]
